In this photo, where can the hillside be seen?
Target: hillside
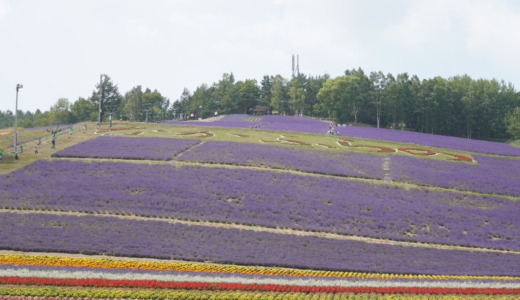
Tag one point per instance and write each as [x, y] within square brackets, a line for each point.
[266, 207]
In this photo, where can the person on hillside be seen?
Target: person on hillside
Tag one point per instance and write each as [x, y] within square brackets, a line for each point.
[1, 154]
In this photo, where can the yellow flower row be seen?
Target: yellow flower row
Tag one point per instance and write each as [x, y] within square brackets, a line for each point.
[96, 262]
[215, 295]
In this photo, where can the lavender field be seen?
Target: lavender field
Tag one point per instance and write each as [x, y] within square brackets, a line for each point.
[128, 148]
[493, 175]
[430, 140]
[250, 197]
[270, 122]
[344, 163]
[126, 237]
[274, 199]
[496, 175]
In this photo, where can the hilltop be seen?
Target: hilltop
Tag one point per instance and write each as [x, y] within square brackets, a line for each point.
[274, 197]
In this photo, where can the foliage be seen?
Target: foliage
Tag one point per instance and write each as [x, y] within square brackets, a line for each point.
[513, 123]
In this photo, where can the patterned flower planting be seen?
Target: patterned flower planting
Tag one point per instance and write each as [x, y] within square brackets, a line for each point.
[430, 140]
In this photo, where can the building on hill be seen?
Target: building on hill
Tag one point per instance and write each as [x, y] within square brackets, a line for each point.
[260, 110]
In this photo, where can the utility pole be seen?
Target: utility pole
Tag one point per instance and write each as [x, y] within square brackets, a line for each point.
[18, 87]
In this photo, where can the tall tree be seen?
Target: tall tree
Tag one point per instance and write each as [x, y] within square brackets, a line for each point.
[313, 86]
[248, 94]
[341, 98]
[266, 87]
[279, 94]
[111, 99]
[513, 123]
[379, 82]
[224, 94]
[133, 103]
[297, 95]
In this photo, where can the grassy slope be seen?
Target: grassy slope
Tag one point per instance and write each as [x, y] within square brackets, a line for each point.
[161, 130]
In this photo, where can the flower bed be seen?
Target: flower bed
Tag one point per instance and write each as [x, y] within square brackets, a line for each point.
[271, 122]
[200, 134]
[282, 157]
[128, 148]
[266, 198]
[496, 175]
[125, 237]
[431, 140]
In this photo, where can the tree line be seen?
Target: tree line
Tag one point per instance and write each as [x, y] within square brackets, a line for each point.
[457, 106]
[138, 104]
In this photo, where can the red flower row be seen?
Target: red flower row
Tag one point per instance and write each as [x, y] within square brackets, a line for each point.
[99, 282]
[409, 150]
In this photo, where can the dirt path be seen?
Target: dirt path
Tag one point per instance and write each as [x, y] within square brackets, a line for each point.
[258, 228]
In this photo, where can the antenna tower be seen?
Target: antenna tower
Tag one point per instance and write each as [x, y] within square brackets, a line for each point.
[296, 67]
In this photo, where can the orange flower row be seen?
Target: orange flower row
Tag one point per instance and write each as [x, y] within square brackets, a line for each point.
[96, 262]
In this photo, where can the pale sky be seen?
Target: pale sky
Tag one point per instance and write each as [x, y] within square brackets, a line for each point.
[59, 48]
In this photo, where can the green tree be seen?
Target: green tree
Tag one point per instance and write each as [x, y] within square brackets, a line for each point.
[297, 95]
[154, 104]
[266, 87]
[512, 121]
[224, 94]
[83, 110]
[6, 119]
[248, 94]
[312, 88]
[60, 112]
[362, 102]
[111, 99]
[132, 103]
[341, 98]
[379, 83]
[279, 94]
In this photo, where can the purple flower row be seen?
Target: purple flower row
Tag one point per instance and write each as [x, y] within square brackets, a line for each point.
[276, 156]
[266, 198]
[492, 174]
[271, 122]
[430, 140]
[124, 237]
[128, 148]
[496, 175]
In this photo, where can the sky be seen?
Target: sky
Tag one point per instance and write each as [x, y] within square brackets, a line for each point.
[59, 48]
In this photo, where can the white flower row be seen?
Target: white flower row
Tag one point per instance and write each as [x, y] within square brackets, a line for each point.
[257, 280]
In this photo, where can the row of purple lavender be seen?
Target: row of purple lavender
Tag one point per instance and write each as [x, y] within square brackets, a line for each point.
[494, 175]
[126, 237]
[306, 124]
[154, 148]
[430, 140]
[270, 122]
[275, 199]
